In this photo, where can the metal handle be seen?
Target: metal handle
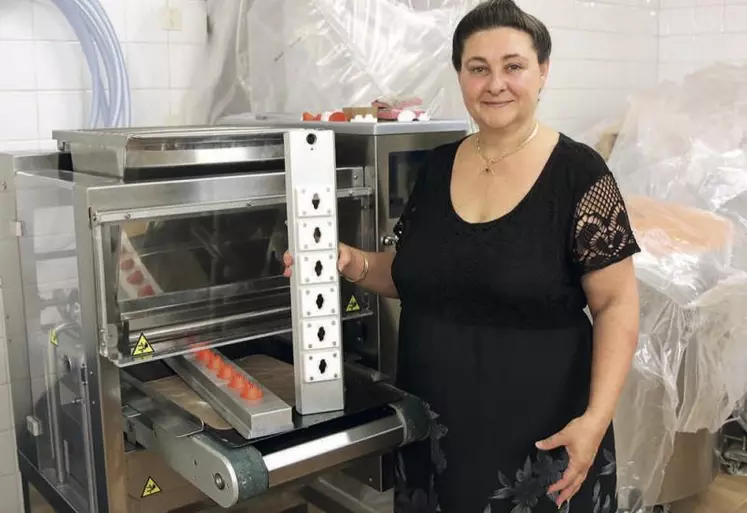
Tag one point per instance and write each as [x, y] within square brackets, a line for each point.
[389, 240]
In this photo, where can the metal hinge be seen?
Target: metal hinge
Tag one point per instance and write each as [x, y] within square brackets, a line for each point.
[93, 217]
[33, 426]
[16, 228]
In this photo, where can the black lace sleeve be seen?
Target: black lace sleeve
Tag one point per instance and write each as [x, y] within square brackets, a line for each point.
[602, 234]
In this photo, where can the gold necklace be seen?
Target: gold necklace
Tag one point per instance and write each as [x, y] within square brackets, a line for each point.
[490, 162]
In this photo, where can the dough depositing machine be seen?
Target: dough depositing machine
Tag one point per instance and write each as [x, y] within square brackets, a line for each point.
[167, 363]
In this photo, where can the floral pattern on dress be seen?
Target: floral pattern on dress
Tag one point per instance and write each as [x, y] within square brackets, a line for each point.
[603, 504]
[535, 476]
[531, 483]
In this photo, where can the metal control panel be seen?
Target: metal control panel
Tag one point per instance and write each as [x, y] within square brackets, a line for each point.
[315, 288]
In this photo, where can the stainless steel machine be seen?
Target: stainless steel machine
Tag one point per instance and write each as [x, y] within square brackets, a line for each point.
[166, 366]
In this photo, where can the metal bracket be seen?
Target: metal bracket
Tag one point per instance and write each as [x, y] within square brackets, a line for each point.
[16, 228]
[311, 182]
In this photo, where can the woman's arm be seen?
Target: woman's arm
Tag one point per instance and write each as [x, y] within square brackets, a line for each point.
[372, 271]
[613, 300]
[612, 295]
[603, 246]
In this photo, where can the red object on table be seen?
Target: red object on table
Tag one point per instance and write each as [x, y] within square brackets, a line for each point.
[216, 363]
[135, 278]
[226, 372]
[237, 382]
[146, 291]
[204, 356]
[251, 391]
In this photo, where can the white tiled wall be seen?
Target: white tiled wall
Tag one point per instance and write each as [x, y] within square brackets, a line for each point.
[44, 84]
[602, 52]
[9, 478]
[694, 33]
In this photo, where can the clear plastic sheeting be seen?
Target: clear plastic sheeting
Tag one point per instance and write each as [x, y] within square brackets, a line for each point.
[679, 157]
[292, 56]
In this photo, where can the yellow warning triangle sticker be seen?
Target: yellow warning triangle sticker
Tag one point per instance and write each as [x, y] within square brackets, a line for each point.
[53, 337]
[353, 305]
[142, 347]
[151, 488]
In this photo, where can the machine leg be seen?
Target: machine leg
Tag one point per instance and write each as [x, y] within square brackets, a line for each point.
[25, 496]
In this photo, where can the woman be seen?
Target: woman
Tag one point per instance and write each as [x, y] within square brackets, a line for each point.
[508, 235]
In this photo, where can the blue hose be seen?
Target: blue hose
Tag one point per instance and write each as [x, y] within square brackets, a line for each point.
[99, 105]
[98, 39]
[106, 37]
[122, 100]
[102, 43]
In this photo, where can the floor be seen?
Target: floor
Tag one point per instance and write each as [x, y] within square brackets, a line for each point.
[727, 494]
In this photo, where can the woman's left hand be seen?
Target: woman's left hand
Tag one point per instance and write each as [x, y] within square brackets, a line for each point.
[581, 439]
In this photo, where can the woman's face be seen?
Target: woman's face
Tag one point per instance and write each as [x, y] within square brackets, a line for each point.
[501, 77]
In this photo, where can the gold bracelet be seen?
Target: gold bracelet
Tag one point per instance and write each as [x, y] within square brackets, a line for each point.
[364, 273]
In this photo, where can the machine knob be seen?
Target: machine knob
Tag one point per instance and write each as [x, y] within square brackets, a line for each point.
[389, 240]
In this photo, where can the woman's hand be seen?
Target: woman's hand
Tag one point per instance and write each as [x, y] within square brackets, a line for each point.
[346, 261]
[372, 271]
[581, 439]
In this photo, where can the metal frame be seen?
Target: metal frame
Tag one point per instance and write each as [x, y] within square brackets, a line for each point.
[105, 414]
[112, 204]
[29, 476]
[94, 207]
[124, 152]
[12, 286]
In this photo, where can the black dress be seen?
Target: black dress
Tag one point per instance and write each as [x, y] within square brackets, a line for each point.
[494, 337]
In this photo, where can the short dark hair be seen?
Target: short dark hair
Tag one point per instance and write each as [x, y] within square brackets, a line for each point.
[495, 14]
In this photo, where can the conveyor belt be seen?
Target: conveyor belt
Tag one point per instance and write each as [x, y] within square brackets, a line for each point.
[362, 397]
[230, 469]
